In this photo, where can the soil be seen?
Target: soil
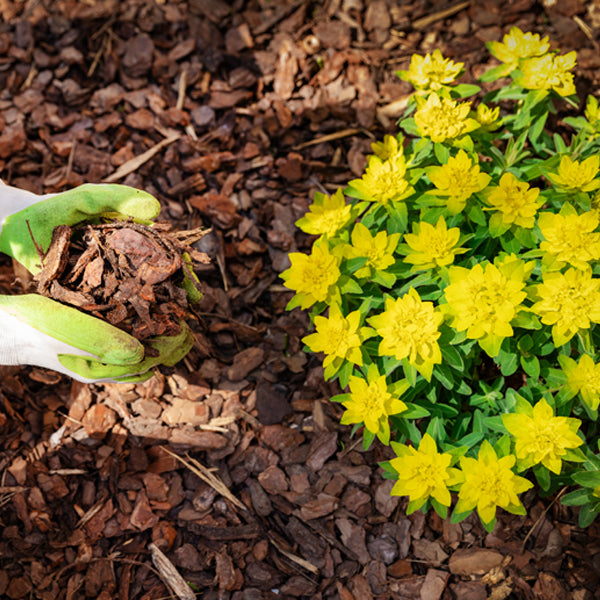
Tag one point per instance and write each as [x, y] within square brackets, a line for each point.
[229, 477]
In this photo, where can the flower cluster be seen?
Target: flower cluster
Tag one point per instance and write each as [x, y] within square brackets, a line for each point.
[455, 288]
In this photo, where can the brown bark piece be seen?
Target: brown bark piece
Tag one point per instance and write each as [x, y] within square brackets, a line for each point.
[474, 561]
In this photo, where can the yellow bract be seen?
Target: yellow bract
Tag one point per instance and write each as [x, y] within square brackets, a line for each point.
[378, 249]
[384, 180]
[312, 277]
[483, 301]
[423, 473]
[337, 336]
[431, 72]
[327, 215]
[540, 437]
[583, 378]
[458, 179]
[549, 72]
[514, 200]
[569, 237]
[372, 403]
[409, 328]
[516, 45]
[432, 246]
[568, 301]
[442, 119]
[576, 176]
[388, 148]
[487, 117]
[489, 483]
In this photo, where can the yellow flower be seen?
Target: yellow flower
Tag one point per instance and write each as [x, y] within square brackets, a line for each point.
[409, 328]
[549, 72]
[489, 483]
[442, 119]
[568, 301]
[515, 201]
[431, 72]
[338, 337]
[379, 249]
[371, 403]
[540, 437]
[430, 247]
[384, 181]
[388, 148]
[575, 176]
[484, 301]
[583, 378]
[592, 114]
[312, 277]
[592, 110]
[458, 179]
[487, 117]
[423, 473]
[569, 237]
[516, 45]
[327, 214]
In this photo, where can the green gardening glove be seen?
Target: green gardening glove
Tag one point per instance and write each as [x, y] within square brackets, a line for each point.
[39, 331]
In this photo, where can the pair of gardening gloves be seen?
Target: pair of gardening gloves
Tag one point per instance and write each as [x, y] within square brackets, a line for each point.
[35, 330]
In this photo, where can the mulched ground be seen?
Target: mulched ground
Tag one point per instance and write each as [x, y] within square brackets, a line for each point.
[231, 472]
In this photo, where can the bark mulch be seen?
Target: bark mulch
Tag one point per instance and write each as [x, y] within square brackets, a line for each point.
[229, 476]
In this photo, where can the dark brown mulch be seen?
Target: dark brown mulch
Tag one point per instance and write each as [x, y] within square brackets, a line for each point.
[233, 464]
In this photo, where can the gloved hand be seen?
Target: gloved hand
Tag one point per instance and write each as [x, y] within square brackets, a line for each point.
[35, 330]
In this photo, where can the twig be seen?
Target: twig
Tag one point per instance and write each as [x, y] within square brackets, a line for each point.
[208, 477]
[170, 575]
[424, 22]
[137, 161]
[330, 137]
[530, 532]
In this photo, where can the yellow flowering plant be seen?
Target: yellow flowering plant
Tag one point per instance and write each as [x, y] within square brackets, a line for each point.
[454, 288]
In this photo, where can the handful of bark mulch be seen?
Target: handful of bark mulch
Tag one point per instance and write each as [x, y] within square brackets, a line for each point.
[123, 272]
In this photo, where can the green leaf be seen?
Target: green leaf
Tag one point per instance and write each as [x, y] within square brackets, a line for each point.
[494, 73]
[436, 429]
[577, 498]
[348, 285]
[453, 357]
[574, 455]
[497, 225]
[409, 372]
[442, 153]
[368, 438]
[344, 373]
[440, 509]
[542, 475]
[463, 90]
[526, 320]
[489, 527]
[464, 389]
[414, 411]
[587, 515]
[495, 424]
[354, 264]
[384, 278]
[537, 126]
[588, 479]
[507, 360]
[531, 365]
[444, 375]
[415, 505]
[471, 439]
[456, 518]
[502, 446]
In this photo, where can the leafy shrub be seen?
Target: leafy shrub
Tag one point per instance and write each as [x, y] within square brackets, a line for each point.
[454, 287]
